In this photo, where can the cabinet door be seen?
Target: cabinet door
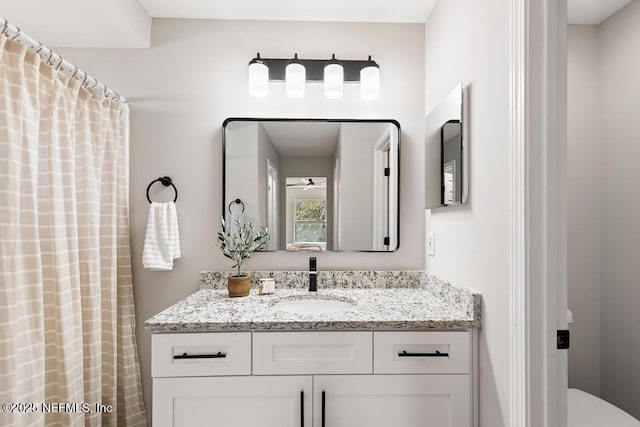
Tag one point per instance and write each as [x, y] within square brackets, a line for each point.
[392, 400]
[232, 401]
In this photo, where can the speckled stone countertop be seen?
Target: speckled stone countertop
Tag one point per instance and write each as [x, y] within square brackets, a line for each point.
[433, 304]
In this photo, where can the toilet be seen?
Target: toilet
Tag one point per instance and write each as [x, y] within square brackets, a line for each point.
[587, 410]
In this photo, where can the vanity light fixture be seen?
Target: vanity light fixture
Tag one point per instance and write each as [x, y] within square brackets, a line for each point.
[333, 78]
[258, 77]
[295, 78]
[296, 72]
[370, 80]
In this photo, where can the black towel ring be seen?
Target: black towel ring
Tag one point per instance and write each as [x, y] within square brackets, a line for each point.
[238, 202]
[166, 181]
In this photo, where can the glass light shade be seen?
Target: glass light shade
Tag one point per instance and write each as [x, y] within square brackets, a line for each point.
[333, 80]
[258, 79]
[295, 79]
[370, 82]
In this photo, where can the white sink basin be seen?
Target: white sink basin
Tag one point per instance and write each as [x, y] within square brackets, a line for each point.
[313, 305]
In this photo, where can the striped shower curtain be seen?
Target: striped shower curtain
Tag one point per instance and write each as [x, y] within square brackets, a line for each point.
[67, 347]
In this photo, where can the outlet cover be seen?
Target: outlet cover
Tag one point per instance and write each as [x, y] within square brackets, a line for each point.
[431, 244]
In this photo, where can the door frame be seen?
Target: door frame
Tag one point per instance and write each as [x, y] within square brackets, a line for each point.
[538, 205]
[381, 211]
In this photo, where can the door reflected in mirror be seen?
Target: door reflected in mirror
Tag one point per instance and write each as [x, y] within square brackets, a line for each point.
[318, 185]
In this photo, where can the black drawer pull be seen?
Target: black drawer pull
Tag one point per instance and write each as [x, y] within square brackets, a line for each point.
[302, 408]
[218, 355]
[436, 354]
[324, 397]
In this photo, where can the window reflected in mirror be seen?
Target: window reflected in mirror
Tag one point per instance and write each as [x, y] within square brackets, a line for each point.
[307, 220]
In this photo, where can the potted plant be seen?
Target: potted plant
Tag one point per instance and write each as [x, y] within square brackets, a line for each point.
[238, 244]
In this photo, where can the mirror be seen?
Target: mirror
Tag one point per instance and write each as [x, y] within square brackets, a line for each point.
[446, 153]
[318, 185]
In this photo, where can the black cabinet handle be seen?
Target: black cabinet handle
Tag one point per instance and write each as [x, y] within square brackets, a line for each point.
[404, 353]
[218, 355]
[302, 408]
[323, 406]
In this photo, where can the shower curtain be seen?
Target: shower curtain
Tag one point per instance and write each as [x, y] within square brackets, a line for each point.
[67, 346]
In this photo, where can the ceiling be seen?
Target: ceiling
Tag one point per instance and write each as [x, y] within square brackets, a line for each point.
[300, 139]
[127, 23]
[405, 11]
[588, 12]
[81, 23]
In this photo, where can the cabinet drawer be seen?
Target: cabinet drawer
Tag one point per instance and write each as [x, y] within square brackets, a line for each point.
[201, 354]
[421, 352]
[312, 353]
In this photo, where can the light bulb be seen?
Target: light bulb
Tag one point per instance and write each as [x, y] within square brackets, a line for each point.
[333, 78]
[258, 77]
[370, 81]
[295, 78]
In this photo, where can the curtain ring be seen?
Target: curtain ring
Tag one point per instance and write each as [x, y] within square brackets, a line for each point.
[49, 57]
[18, 32]
[4, 27]
[75, 71]
[40, 47]
[85, 78]
[59, 64]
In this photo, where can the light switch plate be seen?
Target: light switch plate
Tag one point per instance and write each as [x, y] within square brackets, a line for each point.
[431, 244]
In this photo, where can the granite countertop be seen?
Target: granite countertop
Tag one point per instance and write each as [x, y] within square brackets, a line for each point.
[379, 309]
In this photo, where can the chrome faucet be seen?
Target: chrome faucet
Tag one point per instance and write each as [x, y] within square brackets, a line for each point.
[313, 274]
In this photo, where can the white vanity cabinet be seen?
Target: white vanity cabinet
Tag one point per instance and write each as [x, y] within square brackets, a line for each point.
[314, 379]
[391, 400]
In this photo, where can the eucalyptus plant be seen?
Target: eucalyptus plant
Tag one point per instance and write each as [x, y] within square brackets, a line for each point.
[238, 244]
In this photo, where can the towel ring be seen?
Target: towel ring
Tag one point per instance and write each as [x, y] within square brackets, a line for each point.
[166, 181]
[238, 202]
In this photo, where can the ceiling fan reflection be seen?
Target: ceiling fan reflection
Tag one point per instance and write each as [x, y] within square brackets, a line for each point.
[308, 184]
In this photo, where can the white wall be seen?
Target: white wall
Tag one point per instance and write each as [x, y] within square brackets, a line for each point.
[242, 177]
[620, 208]
[193, 77]
[265, 150]
[583, 206]
[603, 210]
[469, 41]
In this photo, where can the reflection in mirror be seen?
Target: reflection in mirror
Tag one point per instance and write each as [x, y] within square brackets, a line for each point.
[446, 152]
[451, 149]
[318, 185]
[307, 213]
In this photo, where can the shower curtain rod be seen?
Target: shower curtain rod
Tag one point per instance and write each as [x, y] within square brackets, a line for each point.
[55, 60]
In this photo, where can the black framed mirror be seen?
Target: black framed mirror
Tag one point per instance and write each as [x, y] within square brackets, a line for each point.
[317, 184]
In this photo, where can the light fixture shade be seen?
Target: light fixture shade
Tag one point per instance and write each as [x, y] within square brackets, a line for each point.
[258, 77]
[333, 78]
[295, 78]
[370, 81]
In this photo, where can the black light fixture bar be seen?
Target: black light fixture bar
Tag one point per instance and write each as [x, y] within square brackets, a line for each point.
[315, 69]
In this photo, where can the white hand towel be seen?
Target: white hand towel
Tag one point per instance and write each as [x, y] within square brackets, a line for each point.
[162, 241]
[236, 219]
